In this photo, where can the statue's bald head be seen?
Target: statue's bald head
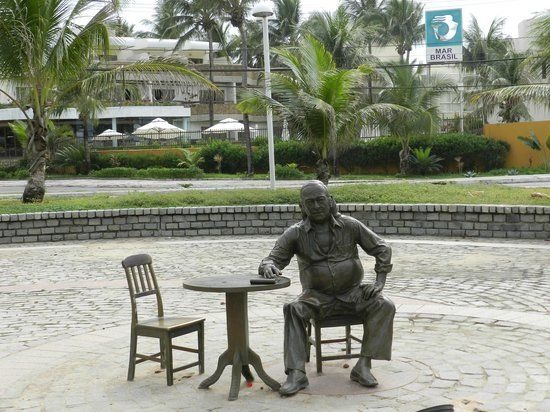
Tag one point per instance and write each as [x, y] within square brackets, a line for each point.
[313, 186]
[316, 202]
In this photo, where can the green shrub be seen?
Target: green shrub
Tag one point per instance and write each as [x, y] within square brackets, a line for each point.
[114, 172]
[4, 175]
[21, 174]
[150, 173]
[477, 152]
[234, 156]
[289, 171]
[286, 152]
[424, 162]
[136, 161]
[171, 173]
[72, 157]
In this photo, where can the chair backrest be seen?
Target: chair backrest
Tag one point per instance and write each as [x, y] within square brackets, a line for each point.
[141, 281]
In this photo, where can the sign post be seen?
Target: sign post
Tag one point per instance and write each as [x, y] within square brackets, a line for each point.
[444, 36]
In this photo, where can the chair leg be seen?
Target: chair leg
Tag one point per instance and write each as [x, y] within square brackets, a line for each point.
[348, 339]
[168, 360]
[318, 354]
[200, 333]
[308, 348]
[162, 357]
[133, 351]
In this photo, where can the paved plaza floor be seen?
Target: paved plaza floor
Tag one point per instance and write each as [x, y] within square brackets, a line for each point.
[472, 328]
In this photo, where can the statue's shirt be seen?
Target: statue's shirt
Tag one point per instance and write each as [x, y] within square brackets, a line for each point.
[336, 272]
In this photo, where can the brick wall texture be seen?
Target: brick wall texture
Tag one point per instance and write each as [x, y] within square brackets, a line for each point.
[485, 221]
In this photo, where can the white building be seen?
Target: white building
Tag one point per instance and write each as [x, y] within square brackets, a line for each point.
[184, 105]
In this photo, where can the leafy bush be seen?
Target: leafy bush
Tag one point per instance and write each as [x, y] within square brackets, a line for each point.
[171, 173]
[151, 173]
[286, 152]
[289, 171]
[4, 174]
[234, 156]
[136, 161]
[477, 152]
[114, 172]
[21, 174]
[71, 156]
[424, 162]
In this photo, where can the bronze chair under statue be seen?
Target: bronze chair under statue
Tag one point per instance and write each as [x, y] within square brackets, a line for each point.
[325, 244]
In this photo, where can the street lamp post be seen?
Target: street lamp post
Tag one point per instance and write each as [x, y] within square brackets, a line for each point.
[263, 11]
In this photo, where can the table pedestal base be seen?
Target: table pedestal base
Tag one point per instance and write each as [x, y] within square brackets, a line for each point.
[238, 352]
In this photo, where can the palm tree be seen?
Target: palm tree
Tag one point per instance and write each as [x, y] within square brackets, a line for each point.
[237, 10]
[337, 32]
[44, 48]
[195, 19]
[479, 50]
[482, 46]
[407, 87]
[121, 28]
[539, 93]
[162, 22]
[284, 30]
[402, 20]
[368, 15]
[323, 105]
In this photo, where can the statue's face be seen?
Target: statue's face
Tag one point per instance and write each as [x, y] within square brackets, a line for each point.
[316, 203]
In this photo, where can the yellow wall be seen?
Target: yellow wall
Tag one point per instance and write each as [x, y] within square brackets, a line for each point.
[520, 153]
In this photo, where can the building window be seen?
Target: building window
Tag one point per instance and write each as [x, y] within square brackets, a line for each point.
[164, 95]
[218, 97]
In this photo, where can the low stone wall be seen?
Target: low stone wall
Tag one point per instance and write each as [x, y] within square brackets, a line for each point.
[520, 222]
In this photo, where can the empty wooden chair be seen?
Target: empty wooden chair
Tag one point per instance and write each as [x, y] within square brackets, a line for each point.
[142, 282]
[317, 341]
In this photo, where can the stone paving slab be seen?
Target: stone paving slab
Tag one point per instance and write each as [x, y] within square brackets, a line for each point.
[472, 328]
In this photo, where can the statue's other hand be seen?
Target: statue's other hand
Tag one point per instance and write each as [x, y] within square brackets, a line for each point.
[270, 272]
[373, 289]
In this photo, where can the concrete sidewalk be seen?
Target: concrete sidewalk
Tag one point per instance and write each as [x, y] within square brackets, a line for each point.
[472, 328]
[82, 187]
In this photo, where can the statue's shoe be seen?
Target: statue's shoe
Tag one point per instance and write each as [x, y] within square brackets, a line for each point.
[363, 376]
[295, 381]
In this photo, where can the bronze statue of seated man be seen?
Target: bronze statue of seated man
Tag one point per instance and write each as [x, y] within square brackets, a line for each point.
[325, 244]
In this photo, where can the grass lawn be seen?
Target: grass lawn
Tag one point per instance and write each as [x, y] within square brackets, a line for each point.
[361, 193]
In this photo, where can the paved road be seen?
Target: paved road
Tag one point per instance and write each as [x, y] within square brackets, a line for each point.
[472, 327]
[67, 187]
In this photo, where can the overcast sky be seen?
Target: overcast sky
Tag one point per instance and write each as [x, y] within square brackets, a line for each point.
[485, 10]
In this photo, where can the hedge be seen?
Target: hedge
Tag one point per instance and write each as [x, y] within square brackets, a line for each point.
[477, 152]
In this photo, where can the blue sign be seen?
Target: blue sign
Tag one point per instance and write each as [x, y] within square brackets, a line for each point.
[444, 28]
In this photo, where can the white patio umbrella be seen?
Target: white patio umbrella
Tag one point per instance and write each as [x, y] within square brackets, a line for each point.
[225, 125]
[228, 125]
[158, 129]
[108, 134]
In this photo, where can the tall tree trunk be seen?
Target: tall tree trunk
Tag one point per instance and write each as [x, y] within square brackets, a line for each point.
[335, 164]
[36, 185]
[211, 78]
[369, 78]
[86, 141]
[246, 119]
[322, 170]
[404, 156]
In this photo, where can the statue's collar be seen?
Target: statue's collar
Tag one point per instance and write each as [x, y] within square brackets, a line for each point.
[333, 222]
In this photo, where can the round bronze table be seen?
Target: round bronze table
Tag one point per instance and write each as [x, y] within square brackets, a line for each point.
[238, 352]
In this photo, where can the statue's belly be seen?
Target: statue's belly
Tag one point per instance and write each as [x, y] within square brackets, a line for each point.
[333, 278]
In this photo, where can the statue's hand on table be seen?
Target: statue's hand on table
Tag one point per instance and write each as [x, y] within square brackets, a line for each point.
[270, 272]
[372, 289]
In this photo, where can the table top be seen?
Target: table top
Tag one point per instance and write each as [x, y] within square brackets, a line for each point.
[232, 283]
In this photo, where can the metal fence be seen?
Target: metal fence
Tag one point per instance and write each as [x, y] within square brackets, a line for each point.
[10, 149]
